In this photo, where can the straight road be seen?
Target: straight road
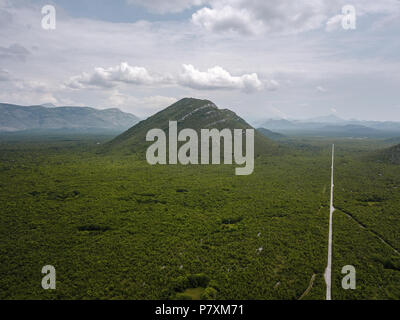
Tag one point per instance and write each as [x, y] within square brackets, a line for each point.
[328, 269]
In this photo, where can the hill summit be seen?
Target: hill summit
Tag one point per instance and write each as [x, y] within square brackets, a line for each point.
[189, 113]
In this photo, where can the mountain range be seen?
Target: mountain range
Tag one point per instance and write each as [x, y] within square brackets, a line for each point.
[82, 119]
[48, 117]
[333, 126]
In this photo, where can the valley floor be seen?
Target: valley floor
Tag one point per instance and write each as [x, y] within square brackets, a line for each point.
[116, 228]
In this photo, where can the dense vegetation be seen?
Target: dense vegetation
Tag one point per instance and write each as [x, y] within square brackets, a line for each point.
[391, 155]
[116, 228]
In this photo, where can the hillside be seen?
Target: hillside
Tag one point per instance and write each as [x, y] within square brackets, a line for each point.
[271, 134]
[18, 118]
[189, 113]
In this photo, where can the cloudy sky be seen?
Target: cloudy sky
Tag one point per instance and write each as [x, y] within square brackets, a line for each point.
[260, 58]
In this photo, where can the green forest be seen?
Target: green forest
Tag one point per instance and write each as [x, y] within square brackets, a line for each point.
[115, 227]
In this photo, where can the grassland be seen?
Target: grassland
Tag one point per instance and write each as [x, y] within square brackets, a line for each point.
[116, 228]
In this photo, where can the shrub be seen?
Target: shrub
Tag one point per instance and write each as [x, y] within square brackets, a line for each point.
[214, 284]
[198, 280]
[94, 228]
[180, 284]
[231, 220]
[209, 294]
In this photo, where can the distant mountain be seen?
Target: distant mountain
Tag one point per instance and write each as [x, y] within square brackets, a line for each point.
[271, 134]
[189, 113]
[333, 126]
[18, 118]
[350, 130]
[390, 155]
[48, 105]
[326, 119]
[280, 124]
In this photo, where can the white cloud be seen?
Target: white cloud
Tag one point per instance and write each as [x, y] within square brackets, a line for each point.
[321, 89]
[218, 78]
[110, 77]
[228, 18]
[215, 78]
[283, 16]
[251, 16]
[166, 6]
[349, 63]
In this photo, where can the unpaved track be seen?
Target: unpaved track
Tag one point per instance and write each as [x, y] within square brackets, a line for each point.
[309, 286]
[348, 214]
[328, 270]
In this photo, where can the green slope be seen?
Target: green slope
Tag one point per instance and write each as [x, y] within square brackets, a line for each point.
[189, 113]
[271, 134]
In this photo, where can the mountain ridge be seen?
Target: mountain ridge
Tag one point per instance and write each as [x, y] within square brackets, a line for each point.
[189, 113]
[14, 118]
[348, 128]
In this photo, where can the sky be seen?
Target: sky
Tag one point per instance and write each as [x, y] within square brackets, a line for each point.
[262, 59]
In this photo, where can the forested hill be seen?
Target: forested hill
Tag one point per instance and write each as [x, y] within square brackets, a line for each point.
[189, 113]
[18, 118]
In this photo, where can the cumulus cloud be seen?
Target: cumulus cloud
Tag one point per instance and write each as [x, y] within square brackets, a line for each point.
[228, 18]
[166, 6]
[218, 78]
[215, 78]
[282, 16]
[110, 77]
[251, 16]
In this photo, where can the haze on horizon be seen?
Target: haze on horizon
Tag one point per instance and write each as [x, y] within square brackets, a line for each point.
[261, 59]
